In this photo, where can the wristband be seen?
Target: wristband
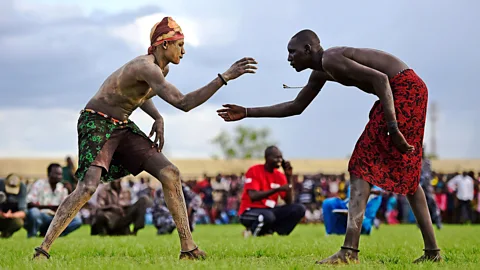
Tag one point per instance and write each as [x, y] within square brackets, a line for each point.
[223, 79]
[392, 127]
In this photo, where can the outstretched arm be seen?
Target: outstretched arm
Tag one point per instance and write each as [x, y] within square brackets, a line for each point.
[295, 107]
[168, 92]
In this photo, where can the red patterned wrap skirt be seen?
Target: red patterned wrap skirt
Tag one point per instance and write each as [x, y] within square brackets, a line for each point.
[375, 159]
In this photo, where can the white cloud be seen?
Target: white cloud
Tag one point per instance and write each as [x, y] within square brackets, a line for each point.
[53, 133]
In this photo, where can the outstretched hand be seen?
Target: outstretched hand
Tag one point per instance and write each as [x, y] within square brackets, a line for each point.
[232, 112]
[158, 129]
[401, 143]
[242, 66]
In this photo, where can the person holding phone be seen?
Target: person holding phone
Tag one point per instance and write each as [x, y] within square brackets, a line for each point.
[264, 185]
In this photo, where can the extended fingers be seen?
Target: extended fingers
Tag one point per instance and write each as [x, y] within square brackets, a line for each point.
[151, 132]
[225, 116]
[160, 143]
[248, 60]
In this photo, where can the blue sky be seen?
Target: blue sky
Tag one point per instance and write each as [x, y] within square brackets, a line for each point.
[55, 54]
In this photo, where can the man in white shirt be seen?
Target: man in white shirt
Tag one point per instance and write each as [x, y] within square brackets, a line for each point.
[463, 185]
[43, 200]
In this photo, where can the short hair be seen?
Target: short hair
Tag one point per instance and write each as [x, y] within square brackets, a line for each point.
[269, 150]
[307, 36]
[51, 166]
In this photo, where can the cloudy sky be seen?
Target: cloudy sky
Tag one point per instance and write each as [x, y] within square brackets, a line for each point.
[54, 55]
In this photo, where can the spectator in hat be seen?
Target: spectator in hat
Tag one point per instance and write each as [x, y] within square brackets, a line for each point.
[13, 205]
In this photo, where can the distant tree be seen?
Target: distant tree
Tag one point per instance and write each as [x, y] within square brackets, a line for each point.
[243, 143]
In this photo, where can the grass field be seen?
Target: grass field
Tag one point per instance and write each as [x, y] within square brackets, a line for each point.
[390, 247]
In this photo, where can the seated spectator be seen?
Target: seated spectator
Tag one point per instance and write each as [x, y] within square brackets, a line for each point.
[335, 212]
[114, 212]
[264, 185]
[162, 218]
[13, 205]
[43, 200]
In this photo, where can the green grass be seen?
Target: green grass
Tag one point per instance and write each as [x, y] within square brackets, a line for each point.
[390, 247]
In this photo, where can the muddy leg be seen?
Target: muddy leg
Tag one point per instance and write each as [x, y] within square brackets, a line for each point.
[359, 193]
[162, 169]
[418, 203]
[68, 209]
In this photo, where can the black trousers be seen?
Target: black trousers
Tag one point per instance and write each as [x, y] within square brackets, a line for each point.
[464, 211]
[282, 219]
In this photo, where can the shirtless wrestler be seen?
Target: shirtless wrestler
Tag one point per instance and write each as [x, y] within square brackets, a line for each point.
[388, 154]
[112, 146]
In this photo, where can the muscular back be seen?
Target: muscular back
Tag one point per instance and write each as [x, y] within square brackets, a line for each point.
[338, 60]
[122, 92]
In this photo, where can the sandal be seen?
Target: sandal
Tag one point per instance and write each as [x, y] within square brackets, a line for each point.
[349, 248]
[40, 251]
[190, 255]
[435, 258]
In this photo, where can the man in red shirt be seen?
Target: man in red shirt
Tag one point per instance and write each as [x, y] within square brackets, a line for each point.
[264, 184]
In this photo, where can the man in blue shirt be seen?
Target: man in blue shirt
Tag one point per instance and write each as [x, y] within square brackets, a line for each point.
[335, 212]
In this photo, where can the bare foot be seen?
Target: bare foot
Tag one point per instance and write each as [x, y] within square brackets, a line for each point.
[341, 257]
[430, 256]
[196, 254]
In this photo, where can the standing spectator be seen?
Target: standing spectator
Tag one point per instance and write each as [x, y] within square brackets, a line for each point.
[463, 186]
[13, 205]
[69, 178]
[43, 200]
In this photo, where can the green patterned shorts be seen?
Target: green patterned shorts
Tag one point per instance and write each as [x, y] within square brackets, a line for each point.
[119, 148]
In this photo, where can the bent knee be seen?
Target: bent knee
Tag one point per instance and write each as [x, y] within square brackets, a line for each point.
[267, 218]
[169, 176]
[170, 172]
[145, 201]
[33, 213]
[299, 209]
[18, 223]
[88, 190]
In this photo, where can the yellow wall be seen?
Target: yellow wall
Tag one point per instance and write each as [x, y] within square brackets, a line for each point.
[35, 168]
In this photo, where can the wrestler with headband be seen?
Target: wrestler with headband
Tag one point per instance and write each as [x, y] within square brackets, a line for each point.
[111, 146]
[388, 154]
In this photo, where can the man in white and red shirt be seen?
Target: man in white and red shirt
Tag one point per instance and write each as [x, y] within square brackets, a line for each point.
[264, 185]
[43, 200]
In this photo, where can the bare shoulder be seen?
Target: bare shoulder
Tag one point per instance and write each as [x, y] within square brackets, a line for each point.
[145, 68]
[336, 58]
[333, 54]
[317, 76]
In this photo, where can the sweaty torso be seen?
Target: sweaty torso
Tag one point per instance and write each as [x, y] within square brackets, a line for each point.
[375, 59]
[122, 92]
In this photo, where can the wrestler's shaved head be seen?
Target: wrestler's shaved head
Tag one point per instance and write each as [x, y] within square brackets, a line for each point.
[303, 49]
[305, 37]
